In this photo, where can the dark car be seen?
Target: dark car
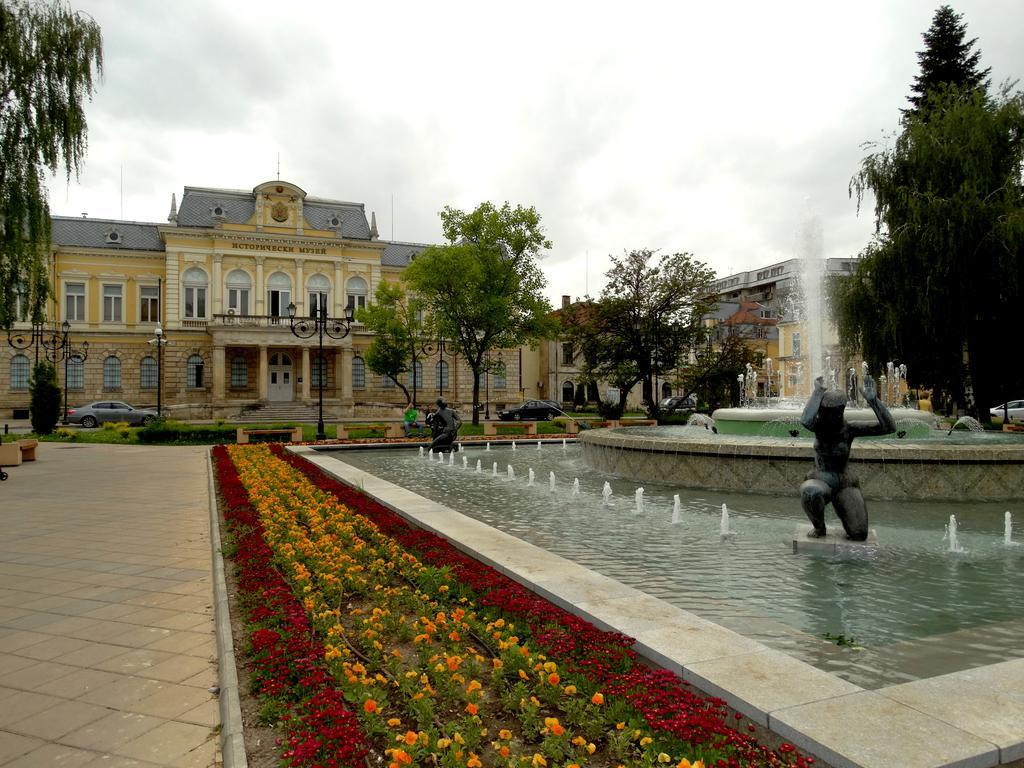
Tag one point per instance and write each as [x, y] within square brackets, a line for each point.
[538, 410]
[678, 404]
[109, 410]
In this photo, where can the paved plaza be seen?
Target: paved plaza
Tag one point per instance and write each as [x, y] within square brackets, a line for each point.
[107, 643]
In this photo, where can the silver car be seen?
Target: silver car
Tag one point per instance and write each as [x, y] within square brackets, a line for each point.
[109, 410]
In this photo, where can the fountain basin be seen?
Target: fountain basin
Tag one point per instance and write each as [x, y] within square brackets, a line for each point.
[888, 469]
[778, 421]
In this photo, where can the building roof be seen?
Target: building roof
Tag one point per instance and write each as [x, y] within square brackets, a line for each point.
[238, 206]
[73, 232]
[398, 254]
[750, 313]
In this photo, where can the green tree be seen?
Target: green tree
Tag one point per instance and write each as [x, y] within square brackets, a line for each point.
[940, 286]
[44, 398]
[646, 320]
[483, 289]
[713, 376]
[947, 59]
[395, 318]
[49, 55]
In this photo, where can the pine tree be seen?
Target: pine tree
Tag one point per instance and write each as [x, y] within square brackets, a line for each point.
[48, 57]
[947, 60]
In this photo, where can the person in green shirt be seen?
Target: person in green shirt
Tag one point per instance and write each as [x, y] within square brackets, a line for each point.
[412, 421]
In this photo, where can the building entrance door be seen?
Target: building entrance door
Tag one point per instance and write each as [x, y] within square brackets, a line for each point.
[280, 370]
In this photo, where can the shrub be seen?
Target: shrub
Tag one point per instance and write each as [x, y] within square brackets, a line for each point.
[163, 431]
[44, 400]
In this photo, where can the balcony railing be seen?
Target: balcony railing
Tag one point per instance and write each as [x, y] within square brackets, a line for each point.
[249, 321]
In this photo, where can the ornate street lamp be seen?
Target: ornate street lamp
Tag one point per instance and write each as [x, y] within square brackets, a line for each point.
[319, 324]
[68, 352]
[160, 340]
[428, 349]
[52, 341]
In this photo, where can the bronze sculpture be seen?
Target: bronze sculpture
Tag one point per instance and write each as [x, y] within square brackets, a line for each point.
[829, 481]
[444, 424]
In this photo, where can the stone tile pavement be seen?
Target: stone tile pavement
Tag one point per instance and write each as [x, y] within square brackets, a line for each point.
[107, 640]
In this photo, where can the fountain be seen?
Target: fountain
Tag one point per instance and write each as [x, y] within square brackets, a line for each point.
[551, 481]
[1008, 530]
[677, 509]
[951, 536]
[723, 526]
[575, 487]
[639, 496]
[529, 478]
[510, 472]
[606, 494]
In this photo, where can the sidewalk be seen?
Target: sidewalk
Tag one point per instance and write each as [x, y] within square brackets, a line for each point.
[107, 646]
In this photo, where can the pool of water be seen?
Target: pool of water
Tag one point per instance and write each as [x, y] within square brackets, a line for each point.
[915, 608]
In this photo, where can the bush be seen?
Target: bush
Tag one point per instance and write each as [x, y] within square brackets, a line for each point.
[164, 431]
[44, 400]
[610, 411]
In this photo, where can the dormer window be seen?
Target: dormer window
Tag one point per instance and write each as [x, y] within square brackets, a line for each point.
[217, 212]
[114, 237]
[334, 222]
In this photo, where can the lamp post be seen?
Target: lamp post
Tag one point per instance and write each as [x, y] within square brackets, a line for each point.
[428, 349]
[52, 342]
[160, 340]
[319, 324]
[68, 352]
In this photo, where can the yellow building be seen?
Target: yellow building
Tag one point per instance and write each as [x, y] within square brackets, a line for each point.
[218, 277]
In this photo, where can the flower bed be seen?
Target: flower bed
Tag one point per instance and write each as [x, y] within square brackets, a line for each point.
[367, 631]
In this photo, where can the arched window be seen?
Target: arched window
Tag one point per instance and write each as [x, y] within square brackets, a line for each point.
[19, 372]
[239, 372]
[318, 371]
[195, 283]
[318, 287]
[386, 381]
[147, 373]
[498, 376]
[111, 373]
[567, 392]
[76, 373]
[279, 294]
[666, 390]
[355, 293]
[417, 375]
[441, 375]
[238, 285]
[194, 372]
[358, 373]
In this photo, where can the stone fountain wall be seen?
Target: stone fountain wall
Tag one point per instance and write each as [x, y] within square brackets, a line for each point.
[887, 469]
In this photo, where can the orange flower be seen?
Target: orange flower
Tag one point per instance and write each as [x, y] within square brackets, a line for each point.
[597, 698]
[523, 675]
[472, 708]
[504, 751]
[497, 663]
[401, 756]
[369, 706]
[473, 762]
[411, 737]
[554, 679]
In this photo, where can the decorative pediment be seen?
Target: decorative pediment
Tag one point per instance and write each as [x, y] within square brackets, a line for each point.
[279, 204]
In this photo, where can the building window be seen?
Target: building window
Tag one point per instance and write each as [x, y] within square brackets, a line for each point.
[441, 376]
[279, 294]
[358, 373]
[318, 372]
[499, 375]
[148, 373]
[111, 373]
[355, 293]
[195, 283]
[194, 372]
[387, 382]
[74, 302]
[568, 353]
[76, 373]
[417, 375]
[112, 304]
[239, 372]
[318, 287]
[20, 301]
[19, 372]
[762, 274]
[796, 345]
[568, 392]
[238, 285]
[149, 304]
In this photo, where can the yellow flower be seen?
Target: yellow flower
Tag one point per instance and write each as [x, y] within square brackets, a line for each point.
[394, 722]
[538, 761]
[505, 734]
[570, 690]
[444, 743]
[645, 741]
[663, 758]
[591, 748]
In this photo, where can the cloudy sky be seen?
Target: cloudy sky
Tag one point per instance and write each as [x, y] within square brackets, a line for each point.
[713, 128]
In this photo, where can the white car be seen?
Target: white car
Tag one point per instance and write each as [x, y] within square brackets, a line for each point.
[1016, 410]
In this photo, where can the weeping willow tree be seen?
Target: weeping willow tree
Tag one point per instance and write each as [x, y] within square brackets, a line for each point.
[941, 285]
[49, 57]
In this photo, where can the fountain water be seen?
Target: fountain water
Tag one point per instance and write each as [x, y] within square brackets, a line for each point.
[488, 446]
[639, 496]
[513, 445]
[551, 481]
[421, 450]
[479, 467]
[951, 536]
[511, 472]
[676, 508]
[465, 461]
[494, 469]
[1008, 530]
[606, 494]
[451, 458]
[529, 477]
[810, 249]
[575, 487]
[538, 445]
[724, 525]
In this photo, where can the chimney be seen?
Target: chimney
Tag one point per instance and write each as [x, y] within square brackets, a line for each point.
[566, 300]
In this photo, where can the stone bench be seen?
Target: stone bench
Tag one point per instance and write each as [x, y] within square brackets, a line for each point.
[289, 434]
[491, 427]
[390, 429]
[13, 453]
